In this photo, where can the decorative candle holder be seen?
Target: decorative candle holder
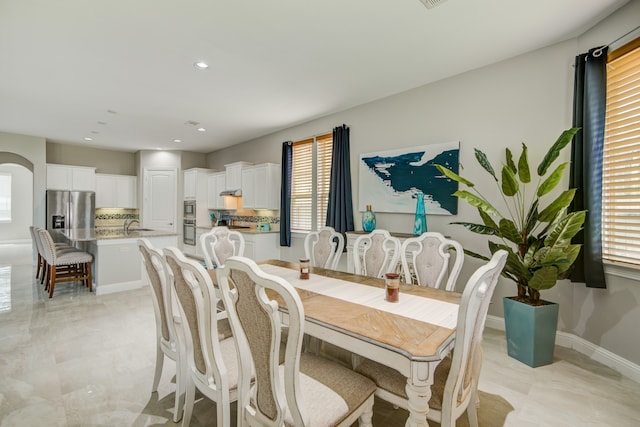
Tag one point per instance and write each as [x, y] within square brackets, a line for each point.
[392, 287]
[304, 269]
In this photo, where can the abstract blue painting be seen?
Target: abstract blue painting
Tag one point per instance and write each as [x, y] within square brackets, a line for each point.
[389, 179]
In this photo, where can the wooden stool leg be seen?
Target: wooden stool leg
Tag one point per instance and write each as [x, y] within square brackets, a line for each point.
[39, 264]
[89, 279]
[52, 281]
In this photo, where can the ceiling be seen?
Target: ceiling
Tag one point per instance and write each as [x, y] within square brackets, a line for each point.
[121, 71]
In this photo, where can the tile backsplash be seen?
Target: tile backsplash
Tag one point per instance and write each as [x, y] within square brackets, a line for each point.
[249, 217]
[114, 217]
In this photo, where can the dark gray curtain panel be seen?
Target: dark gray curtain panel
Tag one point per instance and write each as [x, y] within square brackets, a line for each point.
[285, 194]
[340, 205]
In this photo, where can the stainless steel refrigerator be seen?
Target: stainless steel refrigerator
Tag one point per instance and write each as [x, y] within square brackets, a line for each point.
[70, 209]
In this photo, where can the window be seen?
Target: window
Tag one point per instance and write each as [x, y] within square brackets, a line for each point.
[310, 178]
[5, 197]
[621, 157]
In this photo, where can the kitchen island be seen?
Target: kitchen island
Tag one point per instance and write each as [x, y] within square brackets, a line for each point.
[117, 264]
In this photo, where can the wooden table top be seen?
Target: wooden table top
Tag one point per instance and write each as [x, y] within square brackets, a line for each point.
[417, 339]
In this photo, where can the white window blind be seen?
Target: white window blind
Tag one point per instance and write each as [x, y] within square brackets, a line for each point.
[310, 178]
[5, 197]
[621, 157]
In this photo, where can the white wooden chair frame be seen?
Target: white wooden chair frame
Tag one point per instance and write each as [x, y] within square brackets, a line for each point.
[324, 247]
[429, 255]
[214, 382]
[289, 396]
[219, 244]
[376, 253]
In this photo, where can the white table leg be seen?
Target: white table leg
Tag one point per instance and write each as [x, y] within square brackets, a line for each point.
[419, 392]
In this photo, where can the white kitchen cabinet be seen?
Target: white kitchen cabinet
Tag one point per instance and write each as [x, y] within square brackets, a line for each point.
[195, 183]
[71, 178]
[261, 186]
[216, 184]
[234, 175]
[116, 191]
[261, 246]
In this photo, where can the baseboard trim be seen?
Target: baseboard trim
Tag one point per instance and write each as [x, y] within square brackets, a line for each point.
[119, 287]
[594, 352]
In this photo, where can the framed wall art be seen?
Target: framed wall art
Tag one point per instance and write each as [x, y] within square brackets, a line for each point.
[388, 180]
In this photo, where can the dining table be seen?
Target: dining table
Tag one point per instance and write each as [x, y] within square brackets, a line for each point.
[350, 311]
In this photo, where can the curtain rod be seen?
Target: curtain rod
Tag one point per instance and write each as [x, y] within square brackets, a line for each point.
[598, 52]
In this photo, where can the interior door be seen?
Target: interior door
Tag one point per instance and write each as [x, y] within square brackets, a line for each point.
[159, 203]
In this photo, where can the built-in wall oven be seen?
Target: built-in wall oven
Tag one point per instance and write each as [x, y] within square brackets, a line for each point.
[189, 209]
[189, 231]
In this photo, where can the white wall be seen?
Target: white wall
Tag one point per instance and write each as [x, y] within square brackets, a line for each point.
[21, 204]
[524, 99]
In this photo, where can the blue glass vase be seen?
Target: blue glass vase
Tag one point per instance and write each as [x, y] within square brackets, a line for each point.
[420, 223]
[368, 220]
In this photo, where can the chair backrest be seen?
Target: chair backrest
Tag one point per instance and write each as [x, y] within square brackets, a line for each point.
[376, 253]
[197, 301]
[256, 324]
[47, 246]
[472, 314]
[429, 257]
[324, 247]
[219, 244]
[156, 269]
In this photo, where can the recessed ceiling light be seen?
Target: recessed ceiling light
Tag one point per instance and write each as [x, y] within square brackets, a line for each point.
[202, 130]
[177, 140]
[200, 65]
[86, 138]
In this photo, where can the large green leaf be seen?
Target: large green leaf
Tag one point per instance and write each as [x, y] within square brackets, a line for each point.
[510, 162]
[555, 149]
[510, 231]
[454, 176]
[544, 278]
[532, 217]
[485, 163]
[558, 205]
[514, 265]
[529, 255]
[552, 180]
[523, 166]
[477, 202]
[487, 220]
[479, 228]
[510, 184]
[568, 227]
[562, 257]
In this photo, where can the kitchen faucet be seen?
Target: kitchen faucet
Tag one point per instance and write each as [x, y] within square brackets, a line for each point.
[128, 223]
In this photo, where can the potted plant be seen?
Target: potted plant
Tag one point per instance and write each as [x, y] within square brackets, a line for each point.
[537, 235]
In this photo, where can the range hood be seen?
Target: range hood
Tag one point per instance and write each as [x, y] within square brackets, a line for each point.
[231, 193]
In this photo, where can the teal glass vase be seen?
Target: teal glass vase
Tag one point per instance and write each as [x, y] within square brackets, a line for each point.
[420, 223]
[368, 220]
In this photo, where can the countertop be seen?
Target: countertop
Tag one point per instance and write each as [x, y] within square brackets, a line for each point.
[248, 230]
[105, 233]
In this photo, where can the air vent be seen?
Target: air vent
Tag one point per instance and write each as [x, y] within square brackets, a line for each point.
[431, 3]
[191, 123]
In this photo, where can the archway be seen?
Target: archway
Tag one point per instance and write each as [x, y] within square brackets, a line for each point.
[22, 189]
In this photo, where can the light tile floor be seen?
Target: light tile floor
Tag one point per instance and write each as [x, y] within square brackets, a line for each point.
[86, 360]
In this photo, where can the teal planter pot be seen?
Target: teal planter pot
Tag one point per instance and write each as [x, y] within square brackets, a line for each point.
[531, 331]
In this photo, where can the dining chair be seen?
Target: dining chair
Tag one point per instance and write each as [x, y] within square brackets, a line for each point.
[42, 263]
[324, 247]
[376, 253]
[212, 364]
[305, 390]
[169, 339]
[455, 386]
[64, 264]
[219, 244]
[428, 257]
